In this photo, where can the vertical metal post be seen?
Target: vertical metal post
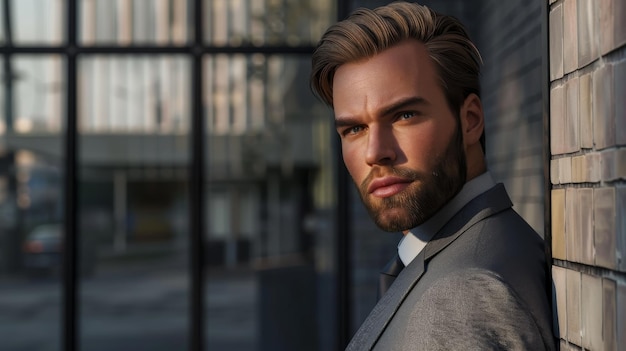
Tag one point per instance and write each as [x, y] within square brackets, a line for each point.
[71, 239]
[344, 231]
[344, 252]
[196, 193]
[545, 99]
[11, 249]
[8, 69]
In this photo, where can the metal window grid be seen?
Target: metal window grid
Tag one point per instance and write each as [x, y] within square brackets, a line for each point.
[196, 49]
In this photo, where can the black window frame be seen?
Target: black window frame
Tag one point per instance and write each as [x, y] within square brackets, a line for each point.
[196, 49]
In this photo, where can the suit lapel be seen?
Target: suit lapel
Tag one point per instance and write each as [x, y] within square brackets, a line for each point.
[487, 204]
[381, 315]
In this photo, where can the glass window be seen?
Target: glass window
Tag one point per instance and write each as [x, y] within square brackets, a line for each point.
[156, 22]
[38, 22]
[133, 196]
[2, 29]
[135, 94]
[269, 187]
[37, 80]
[270, 199]
[31, 202]
[266, 22]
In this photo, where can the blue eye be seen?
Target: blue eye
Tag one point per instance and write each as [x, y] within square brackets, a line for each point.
[406, 115]
[353, 130]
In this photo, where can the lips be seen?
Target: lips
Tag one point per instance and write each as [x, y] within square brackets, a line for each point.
[387, 186]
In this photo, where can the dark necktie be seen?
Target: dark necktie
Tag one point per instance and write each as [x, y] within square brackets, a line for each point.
[389, 274]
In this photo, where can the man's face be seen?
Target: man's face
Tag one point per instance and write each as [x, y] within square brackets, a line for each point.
[401, 143]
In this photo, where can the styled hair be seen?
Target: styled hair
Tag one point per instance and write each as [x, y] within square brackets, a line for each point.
[366, 33]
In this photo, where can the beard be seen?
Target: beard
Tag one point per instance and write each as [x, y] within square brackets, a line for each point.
[428, 192]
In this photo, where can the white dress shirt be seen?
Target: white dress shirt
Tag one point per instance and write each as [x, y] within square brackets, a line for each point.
[416, 239]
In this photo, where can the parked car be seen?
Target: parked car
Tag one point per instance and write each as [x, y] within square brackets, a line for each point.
[43, 248]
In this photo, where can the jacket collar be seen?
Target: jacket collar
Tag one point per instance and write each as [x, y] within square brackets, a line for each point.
[417, 238]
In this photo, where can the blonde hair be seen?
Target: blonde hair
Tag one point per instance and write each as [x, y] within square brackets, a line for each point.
[366, 33]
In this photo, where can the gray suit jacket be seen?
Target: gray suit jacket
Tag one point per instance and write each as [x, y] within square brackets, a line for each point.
[479, 284]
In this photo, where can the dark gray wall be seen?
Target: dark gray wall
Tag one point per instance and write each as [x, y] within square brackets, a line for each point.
[509, 37]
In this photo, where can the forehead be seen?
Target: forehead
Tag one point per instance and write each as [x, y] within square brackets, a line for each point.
[403, 70]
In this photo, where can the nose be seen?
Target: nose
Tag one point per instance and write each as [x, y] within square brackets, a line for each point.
[380, 146]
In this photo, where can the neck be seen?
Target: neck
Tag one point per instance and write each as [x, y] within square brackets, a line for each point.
[476, 164]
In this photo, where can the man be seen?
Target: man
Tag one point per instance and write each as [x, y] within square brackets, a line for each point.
[404, 85]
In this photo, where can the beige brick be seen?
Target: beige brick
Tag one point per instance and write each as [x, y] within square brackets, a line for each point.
[604, 227]
[557, 120]
[573, 307]
[584, 111]
[603, 107]
[594, 168]
[607, 160]
[558, 224]
[554, 171]
[620, 312]
[560, 322]
[570, 36]
[579, 168]
[585, 222]
[572, 122]
[619, 91]
[587, 41]
[556, 42]
[605, 25]
[572, 225]
[591, 311]
[619, 10]
[609, 317]
[620, 211]
[565, 170]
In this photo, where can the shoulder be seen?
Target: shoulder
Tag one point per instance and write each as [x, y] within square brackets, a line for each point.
[472, 309]
[475, 290]
[505, 244]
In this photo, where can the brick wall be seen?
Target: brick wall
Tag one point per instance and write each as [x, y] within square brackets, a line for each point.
[588, 171]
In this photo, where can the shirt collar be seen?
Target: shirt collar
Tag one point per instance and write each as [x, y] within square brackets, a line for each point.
[416, 239]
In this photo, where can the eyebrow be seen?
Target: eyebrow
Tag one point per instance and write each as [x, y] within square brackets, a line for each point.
[387, 110]
[403, 103]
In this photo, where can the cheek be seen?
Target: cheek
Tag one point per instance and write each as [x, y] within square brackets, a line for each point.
[419, 146]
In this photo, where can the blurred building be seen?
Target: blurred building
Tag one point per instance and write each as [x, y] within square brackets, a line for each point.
[268, 171]
[134, 120]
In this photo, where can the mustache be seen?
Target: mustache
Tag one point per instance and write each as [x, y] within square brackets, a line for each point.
[402, 172]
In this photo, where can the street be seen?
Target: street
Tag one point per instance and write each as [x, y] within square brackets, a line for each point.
[129, 307]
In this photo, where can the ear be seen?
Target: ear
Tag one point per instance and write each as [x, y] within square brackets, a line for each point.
[472, 121]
